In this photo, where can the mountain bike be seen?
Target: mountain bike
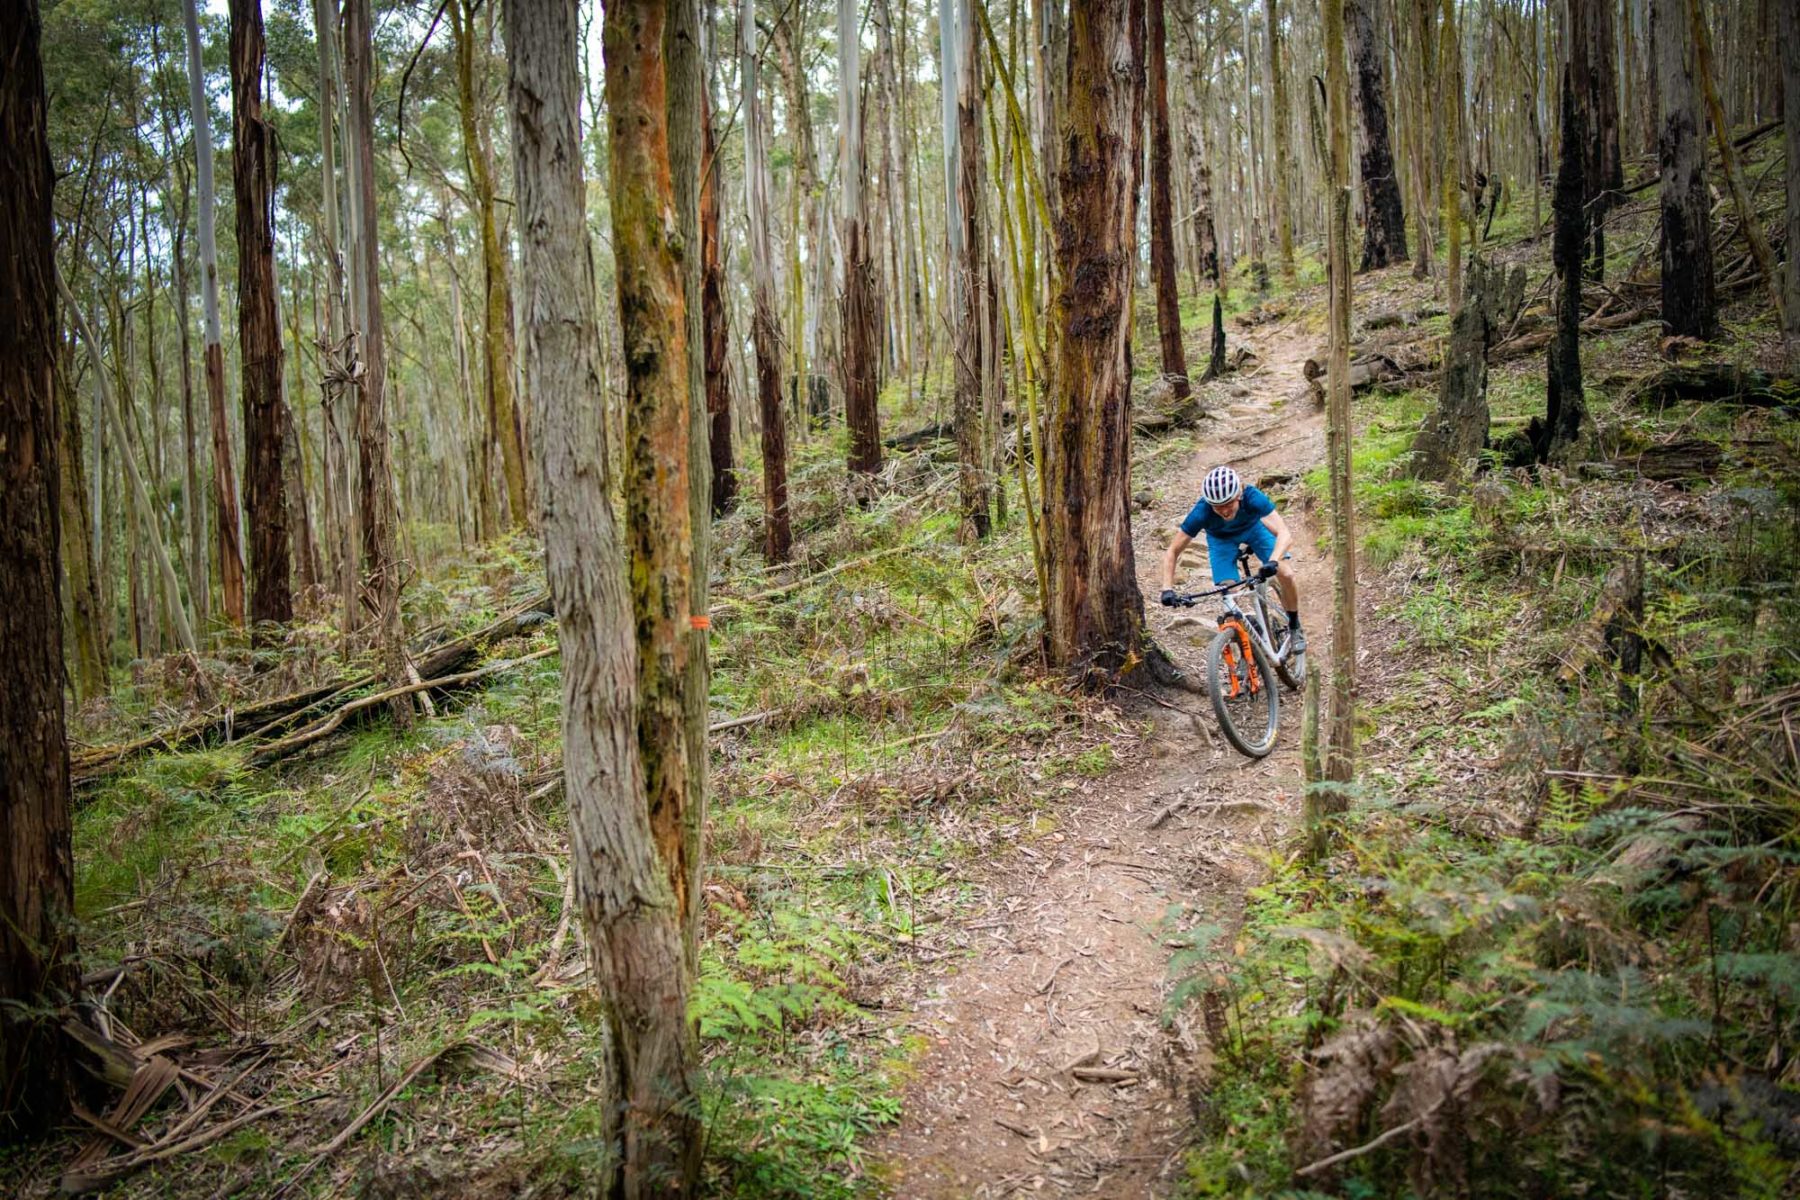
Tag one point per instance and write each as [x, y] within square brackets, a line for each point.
[1252, 650]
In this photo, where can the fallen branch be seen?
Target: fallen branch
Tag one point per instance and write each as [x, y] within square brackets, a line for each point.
[282, 747]
[479, 1054]
[267, 717]
[781, 589]
[1525, 343]
[1343, 1156]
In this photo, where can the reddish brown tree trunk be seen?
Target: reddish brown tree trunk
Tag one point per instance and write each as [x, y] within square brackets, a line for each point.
[1094, 613]
[1162, 209]
[662, 1133]
[37, 888]
[259, 329]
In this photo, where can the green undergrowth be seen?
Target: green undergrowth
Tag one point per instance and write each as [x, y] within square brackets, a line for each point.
[1550, 949]
[389, 896]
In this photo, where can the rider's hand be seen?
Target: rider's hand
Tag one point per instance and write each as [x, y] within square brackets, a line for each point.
[1267, 571]
[1168, 598]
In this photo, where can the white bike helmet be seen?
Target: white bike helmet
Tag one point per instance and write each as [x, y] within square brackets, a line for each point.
[1222, 486]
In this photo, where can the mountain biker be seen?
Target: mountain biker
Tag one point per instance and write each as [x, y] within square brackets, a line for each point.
[1231, 513]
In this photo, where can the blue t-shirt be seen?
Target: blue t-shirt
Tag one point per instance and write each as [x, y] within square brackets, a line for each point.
[1252, 507]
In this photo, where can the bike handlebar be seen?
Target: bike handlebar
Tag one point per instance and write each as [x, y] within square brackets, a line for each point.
[1190, 599]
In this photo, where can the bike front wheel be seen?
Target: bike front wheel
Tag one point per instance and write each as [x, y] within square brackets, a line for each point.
[1243, 691]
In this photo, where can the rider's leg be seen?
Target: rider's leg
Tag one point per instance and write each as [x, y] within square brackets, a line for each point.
[1222, 554]
[1288, 586]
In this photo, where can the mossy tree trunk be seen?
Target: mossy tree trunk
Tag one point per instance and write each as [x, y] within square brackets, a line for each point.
[1279, 120]
[626, 892]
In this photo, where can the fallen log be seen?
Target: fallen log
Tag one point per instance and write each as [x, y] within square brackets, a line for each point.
[268, 717]
[1716, 383]
[1526, 343]
[1366, 370]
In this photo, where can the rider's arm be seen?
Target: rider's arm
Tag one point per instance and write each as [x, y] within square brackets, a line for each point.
[1284, 540]
[1173, 558]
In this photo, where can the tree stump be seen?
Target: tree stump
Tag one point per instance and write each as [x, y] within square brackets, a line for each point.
[1458, 430]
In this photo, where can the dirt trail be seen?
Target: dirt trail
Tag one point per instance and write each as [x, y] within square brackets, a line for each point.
[1049, 1069]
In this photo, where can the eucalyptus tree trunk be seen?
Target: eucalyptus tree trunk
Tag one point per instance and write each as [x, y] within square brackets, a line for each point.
[1093, 610]
[1689, 303]
[1741, 199]
[765, 322]
[1593, 50]
[1790, 132]
[1553, 437]
[1162, 207]
[1279, 123]
[334, 374]
[715, 317]
[963, 179]
[679, 823]
[375, 477]
[38, 965]
[1449, 101]
[632, 924]
[231, 558]
[496, 283]
[87, 655]
[1384, 232]
[1419, 15]
[259, 327]
[862, 309]
[142, 509]
[1340, 731]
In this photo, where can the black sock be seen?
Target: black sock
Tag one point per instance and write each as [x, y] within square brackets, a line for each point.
[1293, 620]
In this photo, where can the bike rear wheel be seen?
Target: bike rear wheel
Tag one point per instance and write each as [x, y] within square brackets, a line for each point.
[1243, 692]
[1292, 669]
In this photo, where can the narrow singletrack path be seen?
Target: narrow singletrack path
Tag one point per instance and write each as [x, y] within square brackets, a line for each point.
[1050, 1068]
